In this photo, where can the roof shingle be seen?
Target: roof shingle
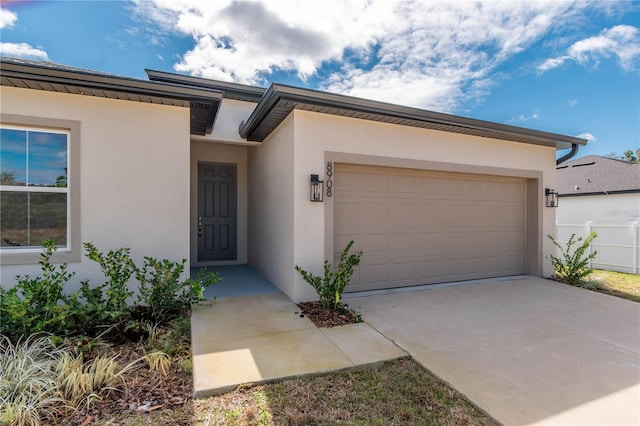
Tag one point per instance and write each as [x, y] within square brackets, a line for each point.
[594, 175]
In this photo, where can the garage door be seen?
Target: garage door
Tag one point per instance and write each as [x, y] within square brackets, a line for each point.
[423, 227]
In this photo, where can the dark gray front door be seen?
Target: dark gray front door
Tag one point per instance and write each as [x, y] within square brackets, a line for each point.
[216, 211]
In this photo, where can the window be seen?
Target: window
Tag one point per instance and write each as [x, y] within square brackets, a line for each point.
[36, 188]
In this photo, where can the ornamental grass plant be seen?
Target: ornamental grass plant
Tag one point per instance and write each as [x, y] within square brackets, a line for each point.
[28, 382]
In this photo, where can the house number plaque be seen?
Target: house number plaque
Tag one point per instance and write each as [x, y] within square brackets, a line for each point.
[329, 180]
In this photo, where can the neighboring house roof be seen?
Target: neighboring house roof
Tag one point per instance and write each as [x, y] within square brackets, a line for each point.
[280, 100]
[595, 175]
[203, 102]
[240, 92]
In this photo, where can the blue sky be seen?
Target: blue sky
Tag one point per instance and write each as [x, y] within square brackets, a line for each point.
[45, 154]
[565, 67]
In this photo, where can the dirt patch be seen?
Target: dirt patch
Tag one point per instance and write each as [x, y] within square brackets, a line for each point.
[325, 317]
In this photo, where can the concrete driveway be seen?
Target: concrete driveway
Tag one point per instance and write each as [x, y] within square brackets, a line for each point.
[526, 350]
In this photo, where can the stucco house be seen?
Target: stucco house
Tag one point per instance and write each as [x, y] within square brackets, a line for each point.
[221, 174]
[602, 195]
[598, 189]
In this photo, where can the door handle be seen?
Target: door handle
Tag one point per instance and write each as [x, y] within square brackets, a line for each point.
[199, 226]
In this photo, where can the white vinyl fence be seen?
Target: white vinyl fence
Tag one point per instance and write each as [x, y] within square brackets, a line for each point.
[617, 245]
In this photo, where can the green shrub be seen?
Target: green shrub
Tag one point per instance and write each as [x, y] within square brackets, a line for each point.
[118, 268]
[40, 304]
[98, 309]
[330, 286]
[573, 265]
[37, 304]
[89, 311]
[164, 293]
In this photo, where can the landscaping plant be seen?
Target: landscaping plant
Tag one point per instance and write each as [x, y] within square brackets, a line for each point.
[82, 382]
[573, 264]
[37, 304]
[46, 378]
[117, 267]
[162, 291]
[40, 304]
[28, 386]
[330, 286]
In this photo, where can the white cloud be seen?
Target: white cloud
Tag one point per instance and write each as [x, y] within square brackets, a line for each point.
[437, 55]
[552, 63]
[7, 18]
[523, 117]
[588, 136]
[18, 50]
[23, 50]
[572, 102]
[621, 41]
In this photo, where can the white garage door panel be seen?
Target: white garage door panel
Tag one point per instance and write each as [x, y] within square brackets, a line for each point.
[421, 227]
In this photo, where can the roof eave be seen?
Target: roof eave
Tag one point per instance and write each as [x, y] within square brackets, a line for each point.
[52, 78]
[229, 90]
[277, 94]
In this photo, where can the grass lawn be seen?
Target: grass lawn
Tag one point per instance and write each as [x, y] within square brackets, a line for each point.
[395, 393]
[626, 286]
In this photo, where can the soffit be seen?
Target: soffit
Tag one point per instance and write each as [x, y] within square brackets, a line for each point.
[203, 103]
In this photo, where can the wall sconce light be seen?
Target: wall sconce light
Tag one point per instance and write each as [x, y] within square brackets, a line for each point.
[317, 189]
[551, 197]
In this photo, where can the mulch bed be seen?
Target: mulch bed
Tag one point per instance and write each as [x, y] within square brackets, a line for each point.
[144, 390]
[325, 317]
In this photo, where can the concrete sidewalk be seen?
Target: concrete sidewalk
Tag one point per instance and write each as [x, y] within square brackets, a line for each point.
[257, 339]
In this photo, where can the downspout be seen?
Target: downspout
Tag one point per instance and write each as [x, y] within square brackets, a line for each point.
[574, 151]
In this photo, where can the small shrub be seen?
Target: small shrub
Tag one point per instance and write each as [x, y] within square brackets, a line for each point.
[330, 286]
[162, 291]
[37, 304]
[573, 264]
[89, 311]
[118, 268]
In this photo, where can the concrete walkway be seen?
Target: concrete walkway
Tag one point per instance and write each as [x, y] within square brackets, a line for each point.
[527, 350]
[257, 339]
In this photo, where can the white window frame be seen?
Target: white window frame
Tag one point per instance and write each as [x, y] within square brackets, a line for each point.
[71, 252]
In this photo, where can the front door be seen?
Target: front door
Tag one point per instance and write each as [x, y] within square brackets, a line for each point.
[216, 211]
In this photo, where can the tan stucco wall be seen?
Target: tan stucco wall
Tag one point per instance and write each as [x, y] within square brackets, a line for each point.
[271, 213]
[320, 138]
[134, 172]
[229, 154]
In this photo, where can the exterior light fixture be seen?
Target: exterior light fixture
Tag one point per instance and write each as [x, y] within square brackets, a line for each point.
[317, 189]
[551, 197]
